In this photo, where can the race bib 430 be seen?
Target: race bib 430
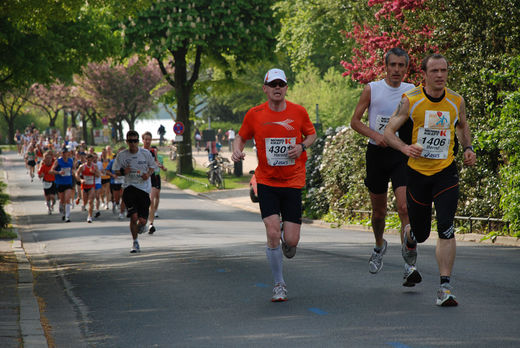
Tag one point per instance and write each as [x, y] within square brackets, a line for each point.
[277, 151]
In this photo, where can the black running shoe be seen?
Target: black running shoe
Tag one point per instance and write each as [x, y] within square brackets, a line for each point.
[151, 229]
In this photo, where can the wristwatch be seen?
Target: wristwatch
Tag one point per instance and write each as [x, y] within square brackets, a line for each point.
[470, 148]
[303, 147]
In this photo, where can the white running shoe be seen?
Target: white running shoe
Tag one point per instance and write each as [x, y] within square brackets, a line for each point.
[279, 293]
[135, 247]
[89, 219]
[411, 276]
[121, 216]
[156, 215]
[375, 264]
[444, 296]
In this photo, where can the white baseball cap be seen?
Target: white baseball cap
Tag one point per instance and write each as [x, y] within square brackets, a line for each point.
[275, 74]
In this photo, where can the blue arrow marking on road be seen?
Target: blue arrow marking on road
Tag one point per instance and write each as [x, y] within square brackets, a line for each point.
[261, 285]
[398, 345]
[317, 311]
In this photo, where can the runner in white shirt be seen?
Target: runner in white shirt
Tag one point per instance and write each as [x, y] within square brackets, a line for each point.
[137, 165]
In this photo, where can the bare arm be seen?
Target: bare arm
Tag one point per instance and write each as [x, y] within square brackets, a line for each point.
[464, 135]
[238, 147]
[297, 150]
[396, 121]
[360, 127]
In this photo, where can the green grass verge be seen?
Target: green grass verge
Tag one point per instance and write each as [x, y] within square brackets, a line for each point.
[198, 179]
[7, 233]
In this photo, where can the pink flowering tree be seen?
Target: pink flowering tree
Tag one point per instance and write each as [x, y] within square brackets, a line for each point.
[52, 100]
[397, 23]
[122, 91]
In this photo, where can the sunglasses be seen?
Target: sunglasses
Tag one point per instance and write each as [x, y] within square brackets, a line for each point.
[132, 140]
[276, 83]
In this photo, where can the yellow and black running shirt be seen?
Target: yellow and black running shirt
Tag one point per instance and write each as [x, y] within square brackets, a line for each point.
[433, 128]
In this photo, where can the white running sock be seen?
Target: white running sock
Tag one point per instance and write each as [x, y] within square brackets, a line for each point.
[67, 210]
[274, 256]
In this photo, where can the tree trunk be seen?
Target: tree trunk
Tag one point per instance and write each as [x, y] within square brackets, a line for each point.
[65, 123]
[84, 127]
[73, 116]
[52, 119]
[10, 130]
[120, 131]
[182, 94]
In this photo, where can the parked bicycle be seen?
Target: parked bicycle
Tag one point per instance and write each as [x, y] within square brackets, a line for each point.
[215, 172]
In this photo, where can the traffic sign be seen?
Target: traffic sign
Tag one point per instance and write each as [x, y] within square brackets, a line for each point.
[178, 128]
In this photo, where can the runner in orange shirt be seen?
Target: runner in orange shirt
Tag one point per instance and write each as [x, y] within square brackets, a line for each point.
[49, 187]
[282, 132]
[87, 174]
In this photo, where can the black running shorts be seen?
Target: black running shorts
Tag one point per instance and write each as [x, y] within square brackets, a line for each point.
[382, 165]
[51, 190]
[286, 201]
[442, 189]
[136, 201]
[63, 188]
[156, 181]
[115, 187]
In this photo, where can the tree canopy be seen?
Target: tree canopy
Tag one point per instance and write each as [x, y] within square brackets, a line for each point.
[179, 34]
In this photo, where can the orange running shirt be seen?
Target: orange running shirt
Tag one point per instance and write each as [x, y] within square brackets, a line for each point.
[273, 133]
[88, 177]
[44, 169]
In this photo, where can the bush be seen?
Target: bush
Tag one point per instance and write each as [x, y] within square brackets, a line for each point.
[4, 199]
[336, 185]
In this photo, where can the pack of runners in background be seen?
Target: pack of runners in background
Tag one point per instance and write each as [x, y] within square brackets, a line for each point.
[75, 175]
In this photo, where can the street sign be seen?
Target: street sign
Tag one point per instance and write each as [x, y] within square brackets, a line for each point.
[178, 128]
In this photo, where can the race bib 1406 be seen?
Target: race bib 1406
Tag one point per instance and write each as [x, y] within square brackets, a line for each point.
[435, 142]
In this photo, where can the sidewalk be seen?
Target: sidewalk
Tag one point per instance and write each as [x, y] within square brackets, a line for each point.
[20, 314]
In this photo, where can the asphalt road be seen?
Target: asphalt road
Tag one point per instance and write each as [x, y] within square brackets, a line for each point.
[202, 280]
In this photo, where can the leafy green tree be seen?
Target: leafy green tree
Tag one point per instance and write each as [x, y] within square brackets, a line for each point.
[42, 49]
[507, 134]
[45, 40]
[333, 93]
[12, 103]
[179, 34]
[311, 32]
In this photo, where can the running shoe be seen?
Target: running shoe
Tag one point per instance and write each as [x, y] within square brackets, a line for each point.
[97, 214]
[121, 216]
[409, 254]
[67, 219]
[135, 248]
[375, 264]
[444, 296]
[89, 219]
[49, 210]
[151, 229]
[83, 208]
[156, 215]
[63, 218]
[288, 251]
[279, 293]
[142, 228]
[411, 276]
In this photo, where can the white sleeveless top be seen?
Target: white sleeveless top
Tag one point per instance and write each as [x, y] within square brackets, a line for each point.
[384, 99]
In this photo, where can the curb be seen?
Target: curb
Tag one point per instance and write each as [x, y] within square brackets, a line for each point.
[31, 330]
